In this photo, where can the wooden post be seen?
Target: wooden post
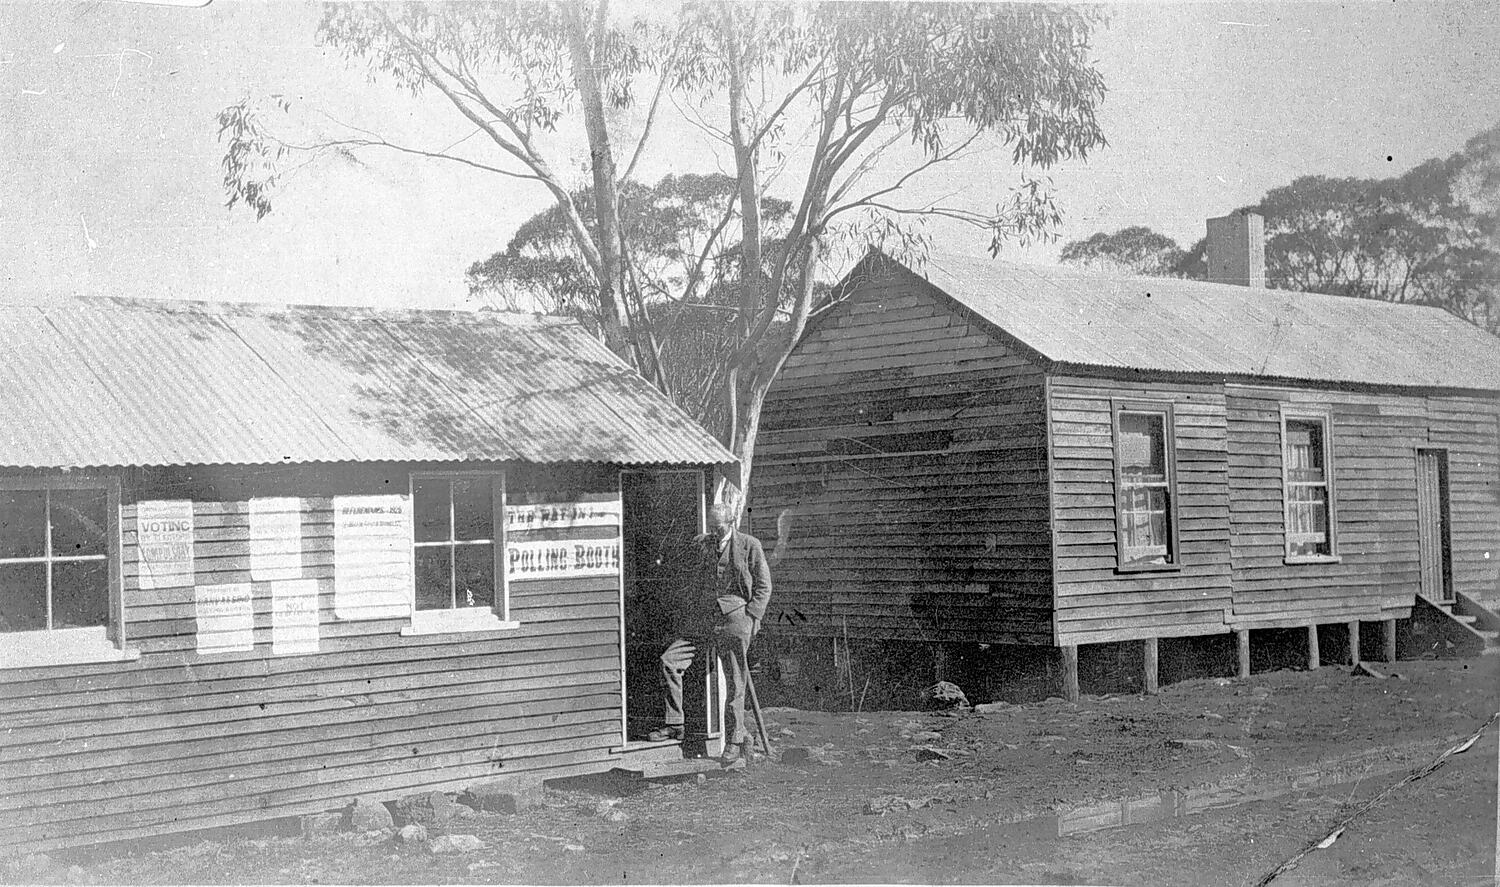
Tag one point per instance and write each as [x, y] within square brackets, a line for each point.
[1070, 672]
[1149, 665]
[1388, 632]
[1353, 642]
[1243, 636]
[1313, 660]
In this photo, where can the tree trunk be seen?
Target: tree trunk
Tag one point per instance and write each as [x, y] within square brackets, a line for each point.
[617, 333]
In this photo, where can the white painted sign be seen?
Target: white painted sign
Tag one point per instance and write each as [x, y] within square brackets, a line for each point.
[226, 621]
[294, 617]
[561, 559]
[275, 538]
[164, 542]
[372, 557]
[562, 515]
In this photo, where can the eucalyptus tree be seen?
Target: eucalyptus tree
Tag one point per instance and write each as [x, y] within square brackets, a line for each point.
[845, 110]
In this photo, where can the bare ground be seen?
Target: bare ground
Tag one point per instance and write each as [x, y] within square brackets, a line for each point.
[867, 807]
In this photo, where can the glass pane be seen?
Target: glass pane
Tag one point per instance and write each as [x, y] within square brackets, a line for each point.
[23, 523]
[23, 597]
[473, 509]
[430, 506]
[79, 522]
[476, 575]
[1142, 443]
[434, 579]
[80, 594]
[1304, 446]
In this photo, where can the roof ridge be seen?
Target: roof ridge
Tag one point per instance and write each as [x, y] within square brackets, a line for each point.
[222, 307]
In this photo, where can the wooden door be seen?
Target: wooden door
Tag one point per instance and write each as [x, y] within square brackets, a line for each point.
[1433, 545]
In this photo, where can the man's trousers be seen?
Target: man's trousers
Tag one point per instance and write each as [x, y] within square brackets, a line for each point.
[729, 639]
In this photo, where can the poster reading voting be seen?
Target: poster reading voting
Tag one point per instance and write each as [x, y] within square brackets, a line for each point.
[164, 542]
[275, 538]
[294, 617]
[372, 557]
[226, 620]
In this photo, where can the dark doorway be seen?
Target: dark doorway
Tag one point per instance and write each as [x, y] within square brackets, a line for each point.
[662, 514]
[1433, 535]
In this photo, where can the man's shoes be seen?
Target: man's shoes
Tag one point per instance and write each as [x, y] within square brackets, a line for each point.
[736, 754]
[671, 732]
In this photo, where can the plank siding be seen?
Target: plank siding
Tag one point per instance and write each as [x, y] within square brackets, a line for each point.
[1374, 436]
[901, 477]
[1096, 603]
[180, 740]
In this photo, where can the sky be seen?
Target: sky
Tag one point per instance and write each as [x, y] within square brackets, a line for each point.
[111, 176]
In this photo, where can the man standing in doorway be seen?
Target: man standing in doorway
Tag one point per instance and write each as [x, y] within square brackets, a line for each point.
[731, 587]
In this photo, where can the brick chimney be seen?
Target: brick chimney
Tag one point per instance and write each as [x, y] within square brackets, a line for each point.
[1237, 249]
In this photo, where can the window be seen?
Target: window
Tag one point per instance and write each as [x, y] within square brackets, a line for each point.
[1145, 487]
[457, 550]
[58, 572]
[1307, 482]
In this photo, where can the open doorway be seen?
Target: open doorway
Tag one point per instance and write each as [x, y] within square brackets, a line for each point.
[663, 512]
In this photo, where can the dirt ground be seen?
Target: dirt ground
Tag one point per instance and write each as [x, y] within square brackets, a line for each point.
[970, 797]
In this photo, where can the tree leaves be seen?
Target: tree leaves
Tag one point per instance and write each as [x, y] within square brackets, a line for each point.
[1430, 236]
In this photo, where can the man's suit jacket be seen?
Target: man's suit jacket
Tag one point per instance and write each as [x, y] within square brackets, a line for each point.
[748, 575]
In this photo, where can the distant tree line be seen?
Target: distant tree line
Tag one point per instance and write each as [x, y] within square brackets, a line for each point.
[1430, 237]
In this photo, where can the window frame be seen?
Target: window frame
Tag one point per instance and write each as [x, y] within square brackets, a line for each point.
[76, 646]
[1164, 409]
[1323, 416]
[461, 619]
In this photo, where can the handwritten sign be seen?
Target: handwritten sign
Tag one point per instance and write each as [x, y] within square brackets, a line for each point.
[562, 515]
[294, 617]
[226, 622]
[562, 559]
[275, 539]
[164, 542]
[372, 557]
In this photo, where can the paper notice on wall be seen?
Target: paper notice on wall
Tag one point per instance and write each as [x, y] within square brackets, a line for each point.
[275, 538]
[294, 617]
[226, 620]
[372, 557]
[164, 544]
[561, 559]
[562, 515]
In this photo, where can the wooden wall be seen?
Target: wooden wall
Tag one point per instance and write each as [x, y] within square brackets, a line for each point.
[1095, 603]
[1375, 437]
[182, 740]
[901, 468]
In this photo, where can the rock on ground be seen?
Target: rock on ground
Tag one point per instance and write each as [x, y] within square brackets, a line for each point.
[365, 815]
[427, 808]
[455, 844]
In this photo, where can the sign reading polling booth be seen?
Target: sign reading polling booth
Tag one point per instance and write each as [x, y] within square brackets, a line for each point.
[275, 538]
[372, 557]
[226, 620]
[562, 535]
[562, 559]
[164, 541]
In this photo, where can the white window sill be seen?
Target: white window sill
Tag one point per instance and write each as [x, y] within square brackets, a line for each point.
[66, 646]
[455, 621]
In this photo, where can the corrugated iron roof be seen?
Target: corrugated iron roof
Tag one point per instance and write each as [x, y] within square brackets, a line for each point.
[139, 382]
[1171, 325]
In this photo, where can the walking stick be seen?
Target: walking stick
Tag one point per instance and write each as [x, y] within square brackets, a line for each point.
[760, 719]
